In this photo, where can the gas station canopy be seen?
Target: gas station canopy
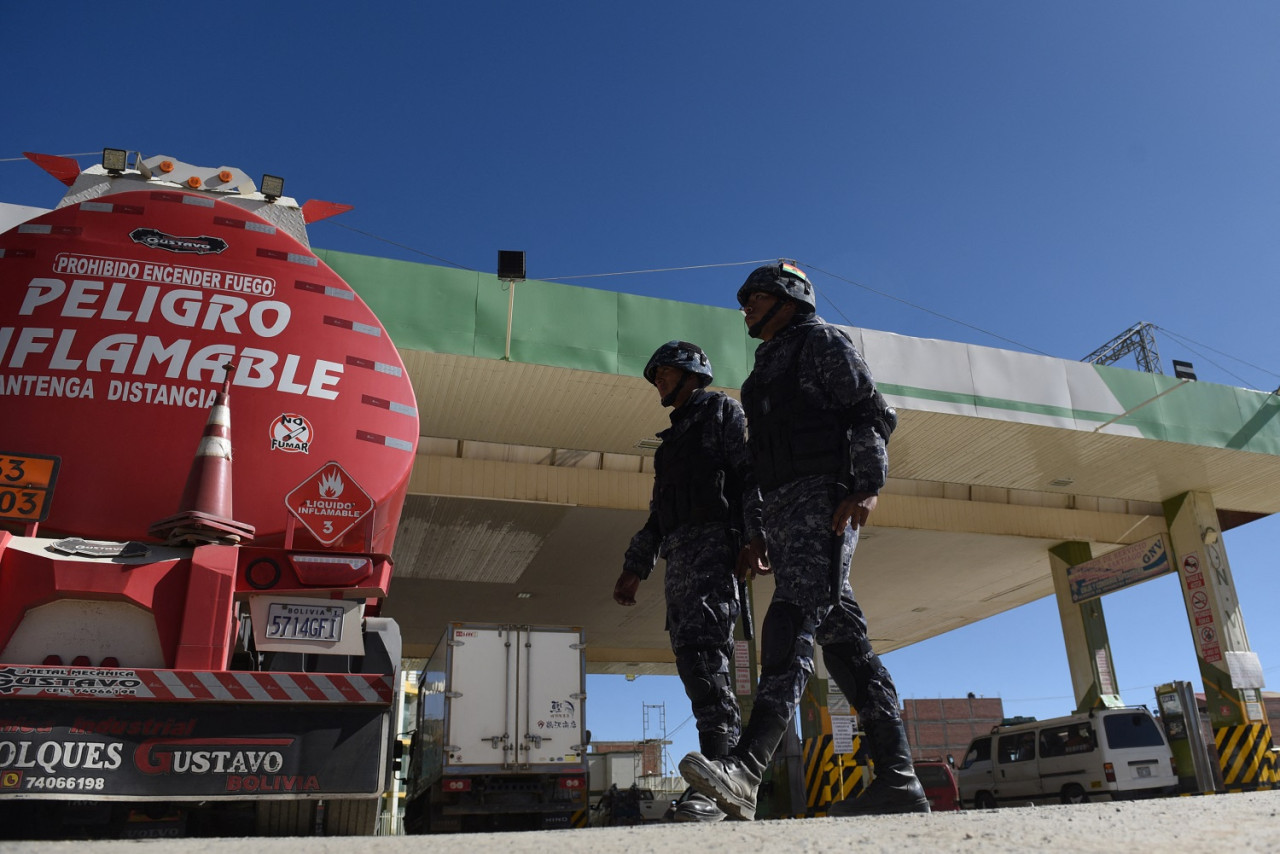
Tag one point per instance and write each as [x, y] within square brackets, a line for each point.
[534, 469]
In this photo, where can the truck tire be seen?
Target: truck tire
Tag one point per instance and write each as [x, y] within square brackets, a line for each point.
[1074, 794]
[351, 816]
[984, 801]
[286, 818]
[415, 816]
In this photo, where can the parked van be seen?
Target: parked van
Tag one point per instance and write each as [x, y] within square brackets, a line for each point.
[1104, 754]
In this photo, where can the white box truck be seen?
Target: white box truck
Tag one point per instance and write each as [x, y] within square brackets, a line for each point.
[500, 740]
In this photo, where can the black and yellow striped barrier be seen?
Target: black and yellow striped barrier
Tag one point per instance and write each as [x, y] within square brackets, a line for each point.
[829, 776]
[1245, 757]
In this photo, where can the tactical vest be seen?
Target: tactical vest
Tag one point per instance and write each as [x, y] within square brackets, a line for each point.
[791, 438]
[689, 486]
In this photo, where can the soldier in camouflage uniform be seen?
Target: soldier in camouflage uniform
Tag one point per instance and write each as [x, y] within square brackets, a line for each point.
[704, 505]
[819, 431]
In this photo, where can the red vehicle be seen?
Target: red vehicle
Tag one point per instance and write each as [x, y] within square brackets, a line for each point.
[171, 661]
[939, 781]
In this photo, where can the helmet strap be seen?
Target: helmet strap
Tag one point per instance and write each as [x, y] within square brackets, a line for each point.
[756, 328]
[670, 399]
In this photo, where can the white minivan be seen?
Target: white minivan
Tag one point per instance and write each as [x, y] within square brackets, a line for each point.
[1116, 754]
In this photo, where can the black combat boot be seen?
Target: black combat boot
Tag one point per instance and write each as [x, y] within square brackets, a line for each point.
[732, 781]
[895, 788]
[693, 805]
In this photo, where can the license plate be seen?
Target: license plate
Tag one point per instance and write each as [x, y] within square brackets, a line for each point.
[293, 621]
[1144, 771]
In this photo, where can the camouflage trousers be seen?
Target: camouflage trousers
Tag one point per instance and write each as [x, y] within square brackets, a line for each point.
[813, 603]
[702, 606]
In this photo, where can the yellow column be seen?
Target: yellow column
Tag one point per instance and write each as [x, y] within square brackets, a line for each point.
[1084, 631]
[1231, 672]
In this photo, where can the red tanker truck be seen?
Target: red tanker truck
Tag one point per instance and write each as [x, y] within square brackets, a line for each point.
[185, 649]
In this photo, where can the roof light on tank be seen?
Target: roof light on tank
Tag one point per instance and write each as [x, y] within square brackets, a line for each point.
[272, 187]
[115, 160]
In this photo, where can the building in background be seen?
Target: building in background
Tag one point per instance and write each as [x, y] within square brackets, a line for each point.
[938, 728]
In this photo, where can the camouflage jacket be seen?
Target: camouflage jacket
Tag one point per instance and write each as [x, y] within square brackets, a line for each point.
[724, 439]
[831, 375]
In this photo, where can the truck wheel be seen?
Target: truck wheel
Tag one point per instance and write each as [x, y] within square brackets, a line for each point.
[415, 816]
[1073, 794]
[351, 817]
[984, 801]
[286, 818]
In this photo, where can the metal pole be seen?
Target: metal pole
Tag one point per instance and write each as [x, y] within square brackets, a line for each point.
[511, 307]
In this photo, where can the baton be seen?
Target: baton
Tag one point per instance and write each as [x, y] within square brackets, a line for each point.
[744, 600]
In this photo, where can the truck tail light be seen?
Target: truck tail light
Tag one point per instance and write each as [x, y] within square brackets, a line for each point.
[456, 784]
[331, 570]
[572, 783]
[1110, 771]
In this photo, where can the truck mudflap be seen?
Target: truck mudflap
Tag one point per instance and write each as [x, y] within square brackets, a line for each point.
[193, 750]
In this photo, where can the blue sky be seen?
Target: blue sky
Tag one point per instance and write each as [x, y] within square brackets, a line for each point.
[1026, 175]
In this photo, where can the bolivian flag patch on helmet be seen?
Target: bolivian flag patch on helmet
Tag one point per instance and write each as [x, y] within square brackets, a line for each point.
[793, 270]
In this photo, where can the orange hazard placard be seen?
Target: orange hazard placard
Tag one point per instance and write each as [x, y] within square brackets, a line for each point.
[329, 503]
[26, 486]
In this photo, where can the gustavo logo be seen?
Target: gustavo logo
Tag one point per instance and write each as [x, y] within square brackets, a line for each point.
[291, 433]
[10, 780]
[157, 239]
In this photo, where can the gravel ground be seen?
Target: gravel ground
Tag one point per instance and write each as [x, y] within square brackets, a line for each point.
[1236, 823]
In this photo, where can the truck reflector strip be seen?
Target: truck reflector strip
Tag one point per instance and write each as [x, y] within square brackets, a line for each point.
[108, 207]
[45, 228]
[380, 367]
[247, 225]
[54, 682]
[291, 257]
[327, 290]
[399, 408]
[343, 323]
[398, 444]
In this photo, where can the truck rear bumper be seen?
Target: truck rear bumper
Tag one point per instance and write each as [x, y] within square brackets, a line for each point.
[202, 748]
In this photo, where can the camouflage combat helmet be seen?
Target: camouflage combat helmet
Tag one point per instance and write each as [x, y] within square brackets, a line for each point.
[781, 278]
[683, 355]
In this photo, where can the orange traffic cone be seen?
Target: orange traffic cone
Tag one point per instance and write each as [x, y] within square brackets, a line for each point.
[204, 514]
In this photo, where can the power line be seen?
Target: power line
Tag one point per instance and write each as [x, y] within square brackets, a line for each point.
[910, 304]
[1187, 342]
[655, 270]
[687, 267]
[77, 154]
[407, 248]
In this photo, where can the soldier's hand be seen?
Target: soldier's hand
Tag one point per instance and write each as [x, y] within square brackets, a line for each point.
[856, 508]
[753, 559]
[624, 591]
